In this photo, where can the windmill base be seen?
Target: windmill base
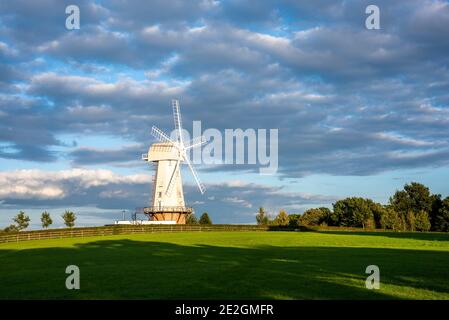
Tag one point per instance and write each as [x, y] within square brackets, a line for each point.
[165, 214]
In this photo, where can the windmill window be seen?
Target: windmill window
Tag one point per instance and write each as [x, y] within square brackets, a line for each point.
[160, 194]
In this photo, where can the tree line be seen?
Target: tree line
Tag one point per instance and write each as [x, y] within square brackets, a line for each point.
[22, 221]
[414, 208]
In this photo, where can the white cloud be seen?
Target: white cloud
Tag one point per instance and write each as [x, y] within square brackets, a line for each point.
[39, 184]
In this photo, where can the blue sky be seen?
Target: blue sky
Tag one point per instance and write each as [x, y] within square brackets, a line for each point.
[360, 112]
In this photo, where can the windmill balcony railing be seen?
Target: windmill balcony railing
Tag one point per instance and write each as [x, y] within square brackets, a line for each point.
[161, 209]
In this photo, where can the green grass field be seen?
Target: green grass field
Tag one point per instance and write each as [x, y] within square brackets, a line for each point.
[230, 265]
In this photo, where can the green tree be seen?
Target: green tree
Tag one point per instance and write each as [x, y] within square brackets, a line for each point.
[312, 217]
[191, 219]
[69, 218]
[294, 220]
[328, 216]
[410, 221]
[262, 217]
[391, 220]
[442, 219]
[22, 220]
[378, 211]
[415, 197]
[281, 219]
[204, 219]
[437, 204]
[46, 219]
[422, 221]
[354, 212]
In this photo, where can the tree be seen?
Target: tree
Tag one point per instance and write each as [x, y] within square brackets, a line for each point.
[314, 216]
[391, 220]
[378, 211]
[437, 204]
[191, 219]
[354, 212]
[22, 220]
[442, 219]
[294, 220]
[361, 213]
[415, 197]
[262, 217]
[281, 219]
[69, 218]
[422, 221]
[410, 221]
[46, 219]
[204, 219]
[327, 216]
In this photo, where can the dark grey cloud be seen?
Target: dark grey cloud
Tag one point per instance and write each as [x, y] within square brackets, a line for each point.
[345, 99]
[177, 13]
[89, 156]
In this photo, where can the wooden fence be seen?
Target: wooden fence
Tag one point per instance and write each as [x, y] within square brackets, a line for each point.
[116, 230]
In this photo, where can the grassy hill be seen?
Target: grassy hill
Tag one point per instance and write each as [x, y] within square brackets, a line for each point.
[230, 265]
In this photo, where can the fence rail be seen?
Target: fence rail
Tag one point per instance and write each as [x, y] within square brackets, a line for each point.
[117, 230]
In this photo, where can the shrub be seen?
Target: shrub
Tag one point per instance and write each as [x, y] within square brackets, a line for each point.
[11, 228]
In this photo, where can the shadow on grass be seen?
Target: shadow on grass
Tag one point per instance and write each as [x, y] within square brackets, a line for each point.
[428, 236]
[127, 269]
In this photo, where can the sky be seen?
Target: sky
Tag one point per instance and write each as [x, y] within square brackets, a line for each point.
[359, 112]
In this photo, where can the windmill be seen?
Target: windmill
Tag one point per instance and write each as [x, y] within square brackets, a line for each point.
[167, 202]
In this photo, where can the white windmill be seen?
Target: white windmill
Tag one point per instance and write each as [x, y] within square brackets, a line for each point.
[168, 155]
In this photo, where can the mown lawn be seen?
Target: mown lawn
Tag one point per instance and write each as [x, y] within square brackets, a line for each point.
[230, 265]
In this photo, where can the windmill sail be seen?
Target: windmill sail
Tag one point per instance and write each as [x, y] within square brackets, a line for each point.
[177, 119]
[173, 177]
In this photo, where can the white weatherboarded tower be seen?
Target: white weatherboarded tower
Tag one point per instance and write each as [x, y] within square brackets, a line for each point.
[167, 203]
